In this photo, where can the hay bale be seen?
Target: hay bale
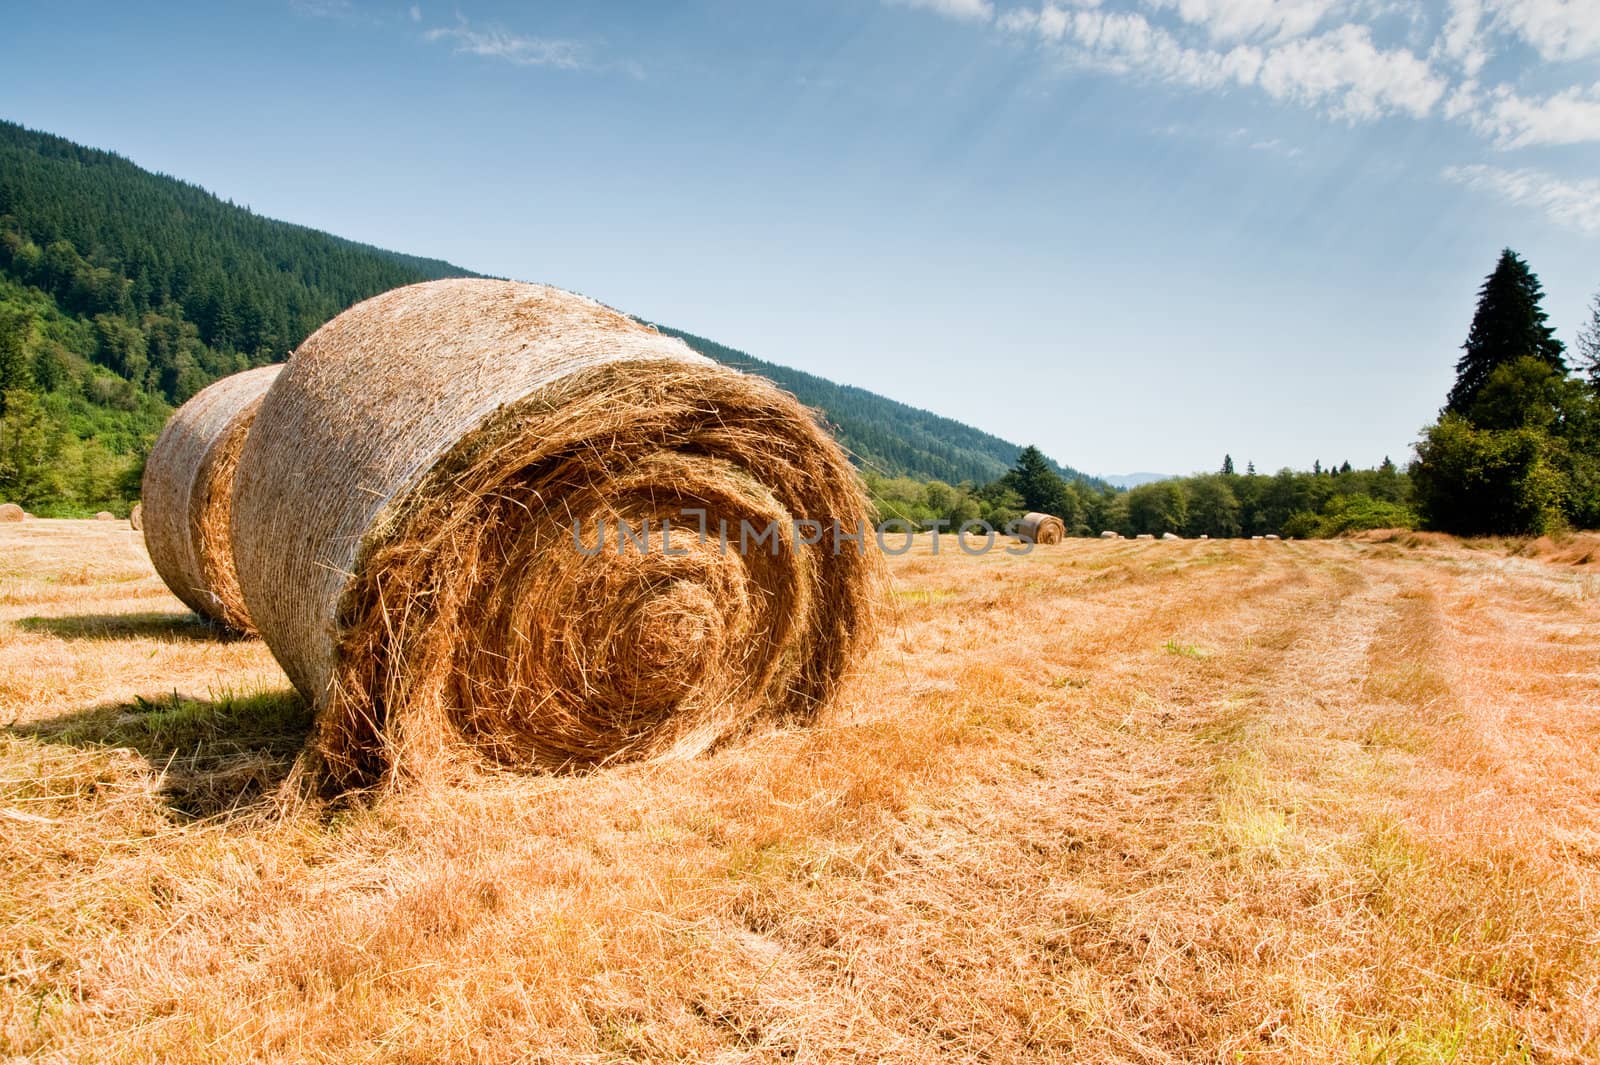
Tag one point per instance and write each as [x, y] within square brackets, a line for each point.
[11, 512]
[189, 481]
[1145, 536]
[1039, 528]
[1272, 536]
[1170, 536]
[136, 516]
[403, 529]
[1109, 535]
[105, 515]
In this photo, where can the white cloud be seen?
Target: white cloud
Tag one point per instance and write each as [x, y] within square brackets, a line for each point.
[1343, 71]
[975, 10]
[512, 47]
[1571, 116]
[1231, 20]
[1557, 29]
[416, 13]
[1571, 203]
[1325, 55]
[1340, 72]
[1463, 40]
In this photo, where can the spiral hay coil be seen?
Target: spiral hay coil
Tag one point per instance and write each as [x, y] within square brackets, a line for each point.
[189, 482]
[1041, 528]
[412, 559]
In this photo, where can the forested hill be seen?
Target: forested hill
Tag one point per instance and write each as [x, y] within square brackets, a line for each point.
[123, 292]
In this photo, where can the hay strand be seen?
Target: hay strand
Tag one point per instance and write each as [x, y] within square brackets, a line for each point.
[189, 480]
[1041, 528]
[411, 559]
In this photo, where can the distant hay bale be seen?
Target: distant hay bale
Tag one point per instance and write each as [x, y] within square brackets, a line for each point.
[1109, 535]
[1170, 536]
[105, 515]
[1041, 528]
[1145, 536]
[136, 516]
[404, 524]
[189, 481]
[11, 512]
[1272, 536]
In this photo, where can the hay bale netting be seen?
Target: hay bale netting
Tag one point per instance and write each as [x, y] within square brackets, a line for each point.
[136, 516]
[189, 481]
[1041, 528]
[404, 532]
[11, 512]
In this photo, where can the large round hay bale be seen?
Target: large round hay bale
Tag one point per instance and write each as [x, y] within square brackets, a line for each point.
[1041, 528]
[11, 512]
[404, 532]
[136, 516]
[189, 481]
[105, 515]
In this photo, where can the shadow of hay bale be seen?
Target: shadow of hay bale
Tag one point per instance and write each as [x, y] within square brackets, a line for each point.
[185, 626]
[215, 757]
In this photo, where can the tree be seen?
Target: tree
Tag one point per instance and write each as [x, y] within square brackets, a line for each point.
[1159, 507]
[1227, 465]
[16, 329]
[1041, 488]
[1213, 508]
[1250, 468]
[1509, 324]
[1589, 345]
[29, 449]
[1476, 481]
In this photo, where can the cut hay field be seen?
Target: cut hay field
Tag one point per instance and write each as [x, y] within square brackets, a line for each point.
[1144, 802]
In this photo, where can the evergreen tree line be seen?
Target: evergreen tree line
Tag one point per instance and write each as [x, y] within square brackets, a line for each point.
[1221, 504]
[1515, 450]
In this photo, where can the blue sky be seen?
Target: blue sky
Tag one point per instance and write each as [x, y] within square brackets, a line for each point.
[1139, 233]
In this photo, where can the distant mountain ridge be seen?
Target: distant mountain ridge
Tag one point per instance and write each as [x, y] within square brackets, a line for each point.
[123, 292]
[1134, 480]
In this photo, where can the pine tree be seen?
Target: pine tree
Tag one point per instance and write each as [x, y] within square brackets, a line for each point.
[1039, 486]
[1316, 467]
[1227, 464]
[1250, 468]
[1508, 324]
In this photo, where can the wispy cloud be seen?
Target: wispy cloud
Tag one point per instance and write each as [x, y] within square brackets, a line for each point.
[520, 49]
[1340, 72]
[1571, 116]
[340, 9]
[976, 10]
[1571, 203]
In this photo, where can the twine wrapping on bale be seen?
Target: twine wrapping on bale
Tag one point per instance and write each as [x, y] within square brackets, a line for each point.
[10, 512]
[1041, 528]
[189, 481]
[413, 564]
[136, 516]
